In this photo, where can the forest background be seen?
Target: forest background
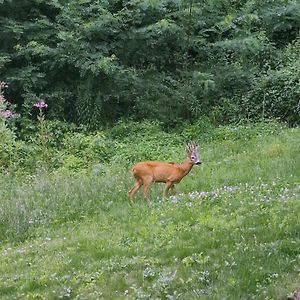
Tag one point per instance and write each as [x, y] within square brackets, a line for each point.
[95, 61]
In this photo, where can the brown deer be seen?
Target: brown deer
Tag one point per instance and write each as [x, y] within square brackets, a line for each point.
[170, 173]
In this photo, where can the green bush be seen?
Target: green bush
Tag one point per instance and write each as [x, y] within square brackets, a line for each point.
[82, 150]
[275, 93]
[130, 130]
[72, 162]
[26, 156]
[58, 130]
[201, 130]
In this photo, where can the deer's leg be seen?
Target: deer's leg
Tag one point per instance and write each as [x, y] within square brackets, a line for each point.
[135, 188]
[146, 181]
[173, 190]
[167, 187]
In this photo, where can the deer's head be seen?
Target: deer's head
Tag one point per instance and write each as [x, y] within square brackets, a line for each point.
[193, 153]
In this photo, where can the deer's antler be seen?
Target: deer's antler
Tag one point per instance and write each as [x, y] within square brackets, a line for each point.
[191, 146]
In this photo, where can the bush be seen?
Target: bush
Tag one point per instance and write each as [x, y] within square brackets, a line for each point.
[82, 150]
[58, 130]
[275, 94]
[201, 130]
[26, 156]
[129, 129]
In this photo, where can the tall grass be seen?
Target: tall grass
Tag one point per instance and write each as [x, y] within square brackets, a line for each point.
[232, 233]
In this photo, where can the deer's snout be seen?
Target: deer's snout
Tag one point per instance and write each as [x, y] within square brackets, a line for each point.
[199, 162]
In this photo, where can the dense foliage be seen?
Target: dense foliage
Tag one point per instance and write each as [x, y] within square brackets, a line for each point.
[96, 61]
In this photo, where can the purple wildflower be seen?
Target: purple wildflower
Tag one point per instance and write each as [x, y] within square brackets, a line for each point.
[40, 104]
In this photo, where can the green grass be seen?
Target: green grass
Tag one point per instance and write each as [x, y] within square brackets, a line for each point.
[232, 233]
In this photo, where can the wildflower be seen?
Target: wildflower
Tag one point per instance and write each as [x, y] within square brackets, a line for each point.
[40, 104]
[9, 114]
[6, 114]
[3, 85]
[2, 99]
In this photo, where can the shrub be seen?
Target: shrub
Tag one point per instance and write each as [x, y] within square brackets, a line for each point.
[26, 156]
[129, 129]
[201, 130]
[81, 150]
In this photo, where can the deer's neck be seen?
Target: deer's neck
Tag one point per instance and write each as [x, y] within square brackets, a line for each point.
[186, 167]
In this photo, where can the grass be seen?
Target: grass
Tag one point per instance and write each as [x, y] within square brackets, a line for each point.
[232, 233]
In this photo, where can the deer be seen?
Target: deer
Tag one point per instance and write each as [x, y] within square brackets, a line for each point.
[170, 173]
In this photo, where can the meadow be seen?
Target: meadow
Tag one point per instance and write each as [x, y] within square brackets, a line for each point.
[233, 231]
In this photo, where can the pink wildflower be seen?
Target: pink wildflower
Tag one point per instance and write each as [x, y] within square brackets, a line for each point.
[41, 104]
[3, 85]
[2, 99]
[9, 114]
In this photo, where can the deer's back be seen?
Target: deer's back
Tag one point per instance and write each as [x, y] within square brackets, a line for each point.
[159, 171]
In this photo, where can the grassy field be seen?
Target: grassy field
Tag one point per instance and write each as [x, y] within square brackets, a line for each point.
[233, 232]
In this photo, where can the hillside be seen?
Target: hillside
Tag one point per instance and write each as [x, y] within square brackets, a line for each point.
[232, 233]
